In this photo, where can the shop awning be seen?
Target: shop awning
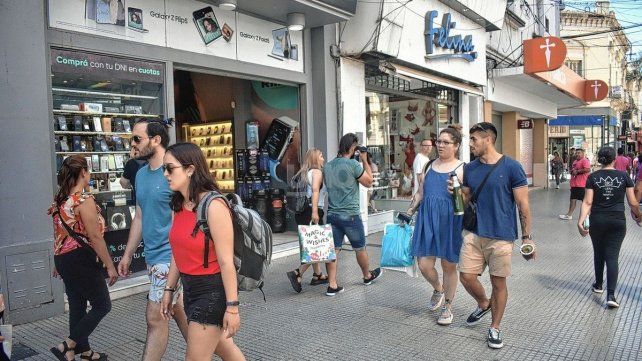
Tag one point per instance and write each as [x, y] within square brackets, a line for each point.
[581, 120]
[431, 78]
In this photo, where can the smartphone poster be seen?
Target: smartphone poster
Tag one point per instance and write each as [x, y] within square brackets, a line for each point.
[207, 24]
[135, 19]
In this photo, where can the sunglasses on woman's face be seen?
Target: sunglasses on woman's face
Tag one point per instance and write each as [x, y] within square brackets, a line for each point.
[169, 168]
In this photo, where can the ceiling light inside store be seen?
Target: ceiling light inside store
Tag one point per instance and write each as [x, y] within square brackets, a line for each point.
[296, 21]
[227, 5]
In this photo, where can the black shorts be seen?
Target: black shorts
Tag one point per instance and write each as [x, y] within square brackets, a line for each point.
[204, 299]
[577, 193]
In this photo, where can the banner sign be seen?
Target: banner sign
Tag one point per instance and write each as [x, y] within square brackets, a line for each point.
[67, 61]
[188, 25]
[462, 47]
[525, 124]
[558, 131]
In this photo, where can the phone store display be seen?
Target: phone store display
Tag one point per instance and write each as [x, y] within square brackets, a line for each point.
[207, 25]
[216, 140]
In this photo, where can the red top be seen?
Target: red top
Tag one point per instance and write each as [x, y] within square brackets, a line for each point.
[579, 180]
[622, 162]
[187, 250]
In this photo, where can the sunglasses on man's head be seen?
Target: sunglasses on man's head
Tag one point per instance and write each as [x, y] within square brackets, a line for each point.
[137, 139]
[483, 127]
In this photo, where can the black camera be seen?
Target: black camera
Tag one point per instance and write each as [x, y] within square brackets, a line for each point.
[362, 149]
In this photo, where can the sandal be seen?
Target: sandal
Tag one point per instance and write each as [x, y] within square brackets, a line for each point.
[61, 355]
[102, 356]
[294, 280]
[318, 279]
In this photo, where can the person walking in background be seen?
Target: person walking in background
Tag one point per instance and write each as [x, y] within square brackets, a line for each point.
[78, 239]
[211, 294]
[437, 230]
[312, 170]
[622, 162]
[490, 242]
[342, 177]
[557, 167]
[422, 158]
[128, 179]
[604, 201]
[579, 173]
[152, 222]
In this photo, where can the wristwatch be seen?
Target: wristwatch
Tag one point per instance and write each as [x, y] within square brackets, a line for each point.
[527, 237]
[231, 303]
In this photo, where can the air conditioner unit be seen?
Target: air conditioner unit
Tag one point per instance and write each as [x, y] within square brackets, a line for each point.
[617, 92]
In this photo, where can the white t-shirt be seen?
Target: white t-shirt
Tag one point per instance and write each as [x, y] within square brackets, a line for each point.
[418, 167]
[322, 192]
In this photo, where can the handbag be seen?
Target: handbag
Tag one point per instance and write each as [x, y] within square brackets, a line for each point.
[316, 243]
[469, 221]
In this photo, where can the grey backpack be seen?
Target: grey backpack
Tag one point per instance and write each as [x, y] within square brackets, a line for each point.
[252, 240]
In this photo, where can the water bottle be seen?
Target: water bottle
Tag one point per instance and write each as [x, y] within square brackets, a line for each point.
[458, 198]
[586, 223]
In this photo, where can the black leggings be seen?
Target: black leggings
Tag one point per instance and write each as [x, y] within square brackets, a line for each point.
[84, 281]
[607, 233]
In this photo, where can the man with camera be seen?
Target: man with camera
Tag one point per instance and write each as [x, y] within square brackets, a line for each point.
[342, 177]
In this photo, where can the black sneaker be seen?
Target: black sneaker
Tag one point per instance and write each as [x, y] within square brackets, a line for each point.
[374, 274]
[597, 289]
[333, 291]
[612, 302]
[495, 338]
[477, 315]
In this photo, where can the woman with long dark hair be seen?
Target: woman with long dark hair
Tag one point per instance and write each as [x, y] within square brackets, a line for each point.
[210, 293]
[438, 231]
[557, 167]
[78, 239]
[604, 201]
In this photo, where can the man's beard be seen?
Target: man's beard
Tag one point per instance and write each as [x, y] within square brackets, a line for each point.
[146, 153]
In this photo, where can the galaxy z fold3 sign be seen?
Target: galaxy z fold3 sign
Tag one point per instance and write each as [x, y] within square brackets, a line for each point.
[461, 46]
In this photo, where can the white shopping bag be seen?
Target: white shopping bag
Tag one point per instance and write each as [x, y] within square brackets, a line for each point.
[316, 244]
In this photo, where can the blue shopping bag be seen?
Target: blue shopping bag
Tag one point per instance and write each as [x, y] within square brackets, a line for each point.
[396, 246]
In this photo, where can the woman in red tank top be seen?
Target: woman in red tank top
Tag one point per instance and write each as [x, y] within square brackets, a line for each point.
[210, 293]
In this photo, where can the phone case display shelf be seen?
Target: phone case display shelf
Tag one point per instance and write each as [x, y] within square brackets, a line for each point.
[216, 140]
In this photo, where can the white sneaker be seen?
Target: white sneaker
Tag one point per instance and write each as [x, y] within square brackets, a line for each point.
[445, 317]
[558, 187]
[436, 300]
[565, 217]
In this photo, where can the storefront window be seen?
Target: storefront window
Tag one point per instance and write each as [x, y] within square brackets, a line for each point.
[96, 101]
[396, 123]
[250, 134]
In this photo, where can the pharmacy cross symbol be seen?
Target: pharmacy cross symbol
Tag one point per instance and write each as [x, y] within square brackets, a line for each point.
[547, 52]
[596, 86]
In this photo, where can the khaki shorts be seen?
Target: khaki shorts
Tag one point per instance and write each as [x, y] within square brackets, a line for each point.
[477, 252]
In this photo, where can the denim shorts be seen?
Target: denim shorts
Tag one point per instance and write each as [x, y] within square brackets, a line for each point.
[158, 282]
[204, 299]
[349, 226]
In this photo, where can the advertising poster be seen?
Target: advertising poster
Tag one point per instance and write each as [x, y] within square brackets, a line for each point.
[134, 20]
[267, 43]
[208, 29]
[193, 26]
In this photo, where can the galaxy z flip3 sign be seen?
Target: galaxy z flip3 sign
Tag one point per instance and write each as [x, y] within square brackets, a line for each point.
[461, 47]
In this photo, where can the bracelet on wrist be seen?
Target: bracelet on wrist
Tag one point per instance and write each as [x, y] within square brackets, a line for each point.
[232, 313]
[232, 303]
[169, 290]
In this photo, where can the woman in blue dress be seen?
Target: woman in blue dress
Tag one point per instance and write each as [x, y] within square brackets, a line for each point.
[437, 230]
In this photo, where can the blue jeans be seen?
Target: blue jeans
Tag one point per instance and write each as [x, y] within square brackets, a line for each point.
[349, 226]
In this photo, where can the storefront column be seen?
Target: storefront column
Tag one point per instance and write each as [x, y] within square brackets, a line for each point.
[510, 135]
[540, 153]
[26, 237]
[488, 111]
[353, 114]
[324, 123]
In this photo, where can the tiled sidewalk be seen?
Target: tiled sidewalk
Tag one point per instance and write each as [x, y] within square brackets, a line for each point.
[552, 313]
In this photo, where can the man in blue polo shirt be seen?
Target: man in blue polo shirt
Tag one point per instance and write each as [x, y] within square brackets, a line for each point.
[152, 222]
[491, 242]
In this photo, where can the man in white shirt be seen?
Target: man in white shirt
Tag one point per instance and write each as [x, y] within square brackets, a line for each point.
[422, 158]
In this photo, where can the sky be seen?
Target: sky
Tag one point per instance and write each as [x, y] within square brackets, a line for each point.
[628, 12]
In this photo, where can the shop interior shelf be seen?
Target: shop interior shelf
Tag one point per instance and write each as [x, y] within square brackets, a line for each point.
[222, 169]
[59, 111]
[209, 135]
[107, 172]
[114, 191]
[113, 152]
[69, 132]
[220, 157]
[102, 94]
